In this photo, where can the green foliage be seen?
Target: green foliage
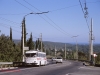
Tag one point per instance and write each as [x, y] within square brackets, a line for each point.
[10, 33]
[9, 52]
[82, 56]
[38, 45]
[97, 58]
[30, 42]
[24, 32]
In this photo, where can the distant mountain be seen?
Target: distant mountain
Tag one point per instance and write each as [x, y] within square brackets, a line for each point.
[52, 45]
[16, 41]
[59, 45]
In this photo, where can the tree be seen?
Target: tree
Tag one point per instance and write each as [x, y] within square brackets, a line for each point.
[10, 33]
[21, 46]
[38, 44]
[24, 32]
[30, 42]
[7, 51]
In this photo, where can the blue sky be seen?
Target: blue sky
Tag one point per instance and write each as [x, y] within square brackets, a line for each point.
[64, 20]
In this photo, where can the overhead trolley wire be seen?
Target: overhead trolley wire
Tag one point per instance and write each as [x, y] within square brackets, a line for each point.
[9, 21]
[58, 27]
[84, 14]
[23, 5]
[6, 26]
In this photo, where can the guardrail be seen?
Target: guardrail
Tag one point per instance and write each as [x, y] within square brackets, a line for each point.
[5, 65]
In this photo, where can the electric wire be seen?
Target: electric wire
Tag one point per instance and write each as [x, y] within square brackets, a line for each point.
[84, 14]
[23, 5]
[8, 27]
[13, 14]
[63, 31]
[10, 21]
[49, 11]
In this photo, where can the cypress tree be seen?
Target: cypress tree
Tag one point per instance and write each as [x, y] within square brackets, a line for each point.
[24, 32]
[10, 33]
[39, 44]
[30, 42]
[36, 46]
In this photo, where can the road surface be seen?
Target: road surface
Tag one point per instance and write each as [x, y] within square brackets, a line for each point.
[66, 68]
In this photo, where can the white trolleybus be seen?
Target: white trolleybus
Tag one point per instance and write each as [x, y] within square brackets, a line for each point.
[35, 58]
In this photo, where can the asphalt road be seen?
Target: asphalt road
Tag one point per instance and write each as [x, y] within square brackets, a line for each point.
[66, 68]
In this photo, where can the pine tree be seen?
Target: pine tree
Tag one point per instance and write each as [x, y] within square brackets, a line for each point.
[10, 33]
[39, 44]
[30, 42]
[24, 32]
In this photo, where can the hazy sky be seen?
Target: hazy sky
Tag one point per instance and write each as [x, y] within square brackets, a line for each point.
[64, 20]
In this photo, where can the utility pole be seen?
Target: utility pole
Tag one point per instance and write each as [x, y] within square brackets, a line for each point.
[76, 53]
[23, 40]
[65, 51]
[76, 50]
[91, 42]
[41, 43]
[89, 46]
[55, 52]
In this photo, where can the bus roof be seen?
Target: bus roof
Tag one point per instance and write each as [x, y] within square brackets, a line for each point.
[33, 51]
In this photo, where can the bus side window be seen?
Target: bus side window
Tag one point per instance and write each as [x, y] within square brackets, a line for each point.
[38, 54]
[43, 55]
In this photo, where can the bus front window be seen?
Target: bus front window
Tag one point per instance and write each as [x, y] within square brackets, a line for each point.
[27, 55]
[33, 55]
[30, 55]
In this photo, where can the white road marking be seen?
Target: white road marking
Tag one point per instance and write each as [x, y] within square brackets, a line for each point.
[70, 62]
[67, 74]
[82, 67]
[25, 68]
[90, 68]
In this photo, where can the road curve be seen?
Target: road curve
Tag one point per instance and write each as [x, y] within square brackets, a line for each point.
[66, 68]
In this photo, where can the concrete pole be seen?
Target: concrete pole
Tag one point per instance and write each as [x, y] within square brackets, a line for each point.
[76, 50]
[23, 38]
[89, 47]
[41, 43]
[91, 41]
[76, 53]
[65, 51]
[55, 51]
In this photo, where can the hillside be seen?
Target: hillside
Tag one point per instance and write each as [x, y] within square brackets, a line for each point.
[59, 46]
